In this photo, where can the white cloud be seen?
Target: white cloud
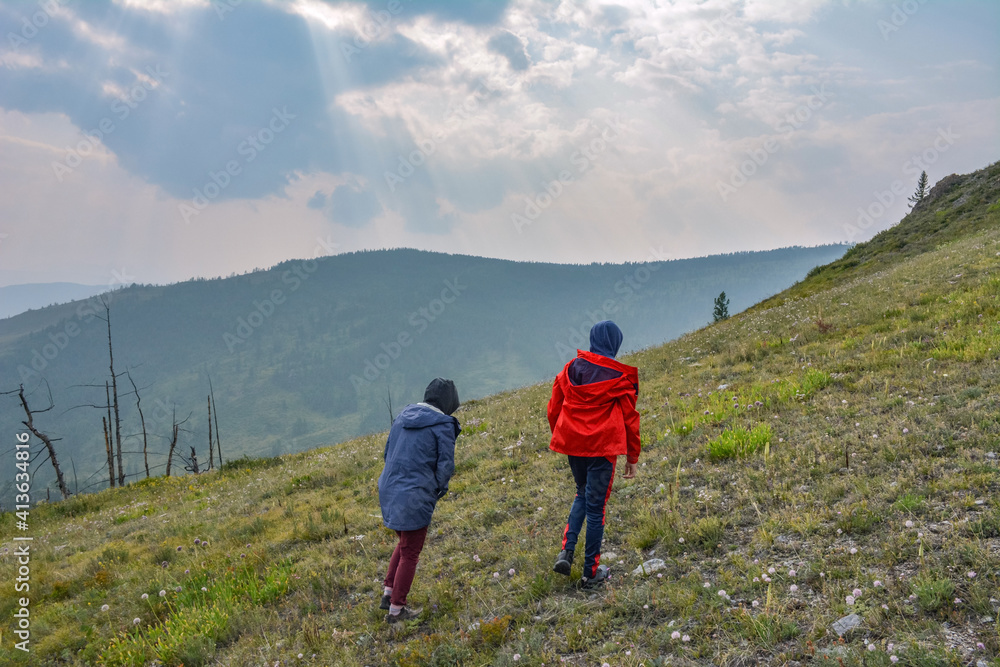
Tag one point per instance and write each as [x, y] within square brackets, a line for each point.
[698, 88]
[334, 18]
[21, 60]
[99, 36]
[165, 7]
[783, 38]
[784, 11]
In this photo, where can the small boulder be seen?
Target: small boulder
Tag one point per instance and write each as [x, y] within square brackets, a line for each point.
[846, 624]
[650, 566]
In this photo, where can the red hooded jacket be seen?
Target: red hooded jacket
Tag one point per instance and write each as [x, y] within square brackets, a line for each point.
[592, 409]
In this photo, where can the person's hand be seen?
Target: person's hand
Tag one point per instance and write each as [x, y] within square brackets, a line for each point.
[630, 469]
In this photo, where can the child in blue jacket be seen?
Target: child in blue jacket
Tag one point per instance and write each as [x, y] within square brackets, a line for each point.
[419, 462]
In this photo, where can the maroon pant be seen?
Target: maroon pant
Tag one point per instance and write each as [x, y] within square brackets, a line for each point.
[403, 564]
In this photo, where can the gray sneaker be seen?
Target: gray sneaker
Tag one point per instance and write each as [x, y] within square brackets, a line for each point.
[405, 614]
[564, 563]
[384, 604]
[599, 579]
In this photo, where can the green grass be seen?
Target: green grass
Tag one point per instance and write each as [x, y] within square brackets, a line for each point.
[878, 428]
[738, 442]
[933, 593]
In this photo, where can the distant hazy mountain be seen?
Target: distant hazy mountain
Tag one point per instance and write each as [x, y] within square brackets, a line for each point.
[310, 352]
[16, 299]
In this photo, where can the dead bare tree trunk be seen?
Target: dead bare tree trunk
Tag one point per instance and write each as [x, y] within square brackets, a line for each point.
[173, 443]
[388, 403]
[142, 420]
[194, 462]
[111, 460]
[218, 438]
[107, 435]
[30, 423]
[114, 394]
[211, 445]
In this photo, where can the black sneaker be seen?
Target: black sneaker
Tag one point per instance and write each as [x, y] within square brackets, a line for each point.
[385, 603]
[405, 614]
[598, 580]
[564, 563]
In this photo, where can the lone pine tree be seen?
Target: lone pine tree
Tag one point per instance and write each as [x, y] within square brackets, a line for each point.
[921, 190]
[721, 311]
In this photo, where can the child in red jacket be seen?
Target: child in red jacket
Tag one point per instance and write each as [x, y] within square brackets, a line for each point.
[593, 420]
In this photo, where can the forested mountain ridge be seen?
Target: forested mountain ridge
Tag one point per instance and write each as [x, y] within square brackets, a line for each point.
[313, 351]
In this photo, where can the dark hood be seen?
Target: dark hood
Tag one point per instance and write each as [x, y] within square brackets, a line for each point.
[442, 395]
[606, 339]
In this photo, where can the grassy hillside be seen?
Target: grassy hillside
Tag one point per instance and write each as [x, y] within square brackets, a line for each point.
[304, 354]
[834, 452]
[956, 207]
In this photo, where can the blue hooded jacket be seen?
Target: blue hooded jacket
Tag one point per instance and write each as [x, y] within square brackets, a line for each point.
[419, 462]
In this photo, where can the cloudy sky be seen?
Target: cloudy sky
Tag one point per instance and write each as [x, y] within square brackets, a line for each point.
[158, 140]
